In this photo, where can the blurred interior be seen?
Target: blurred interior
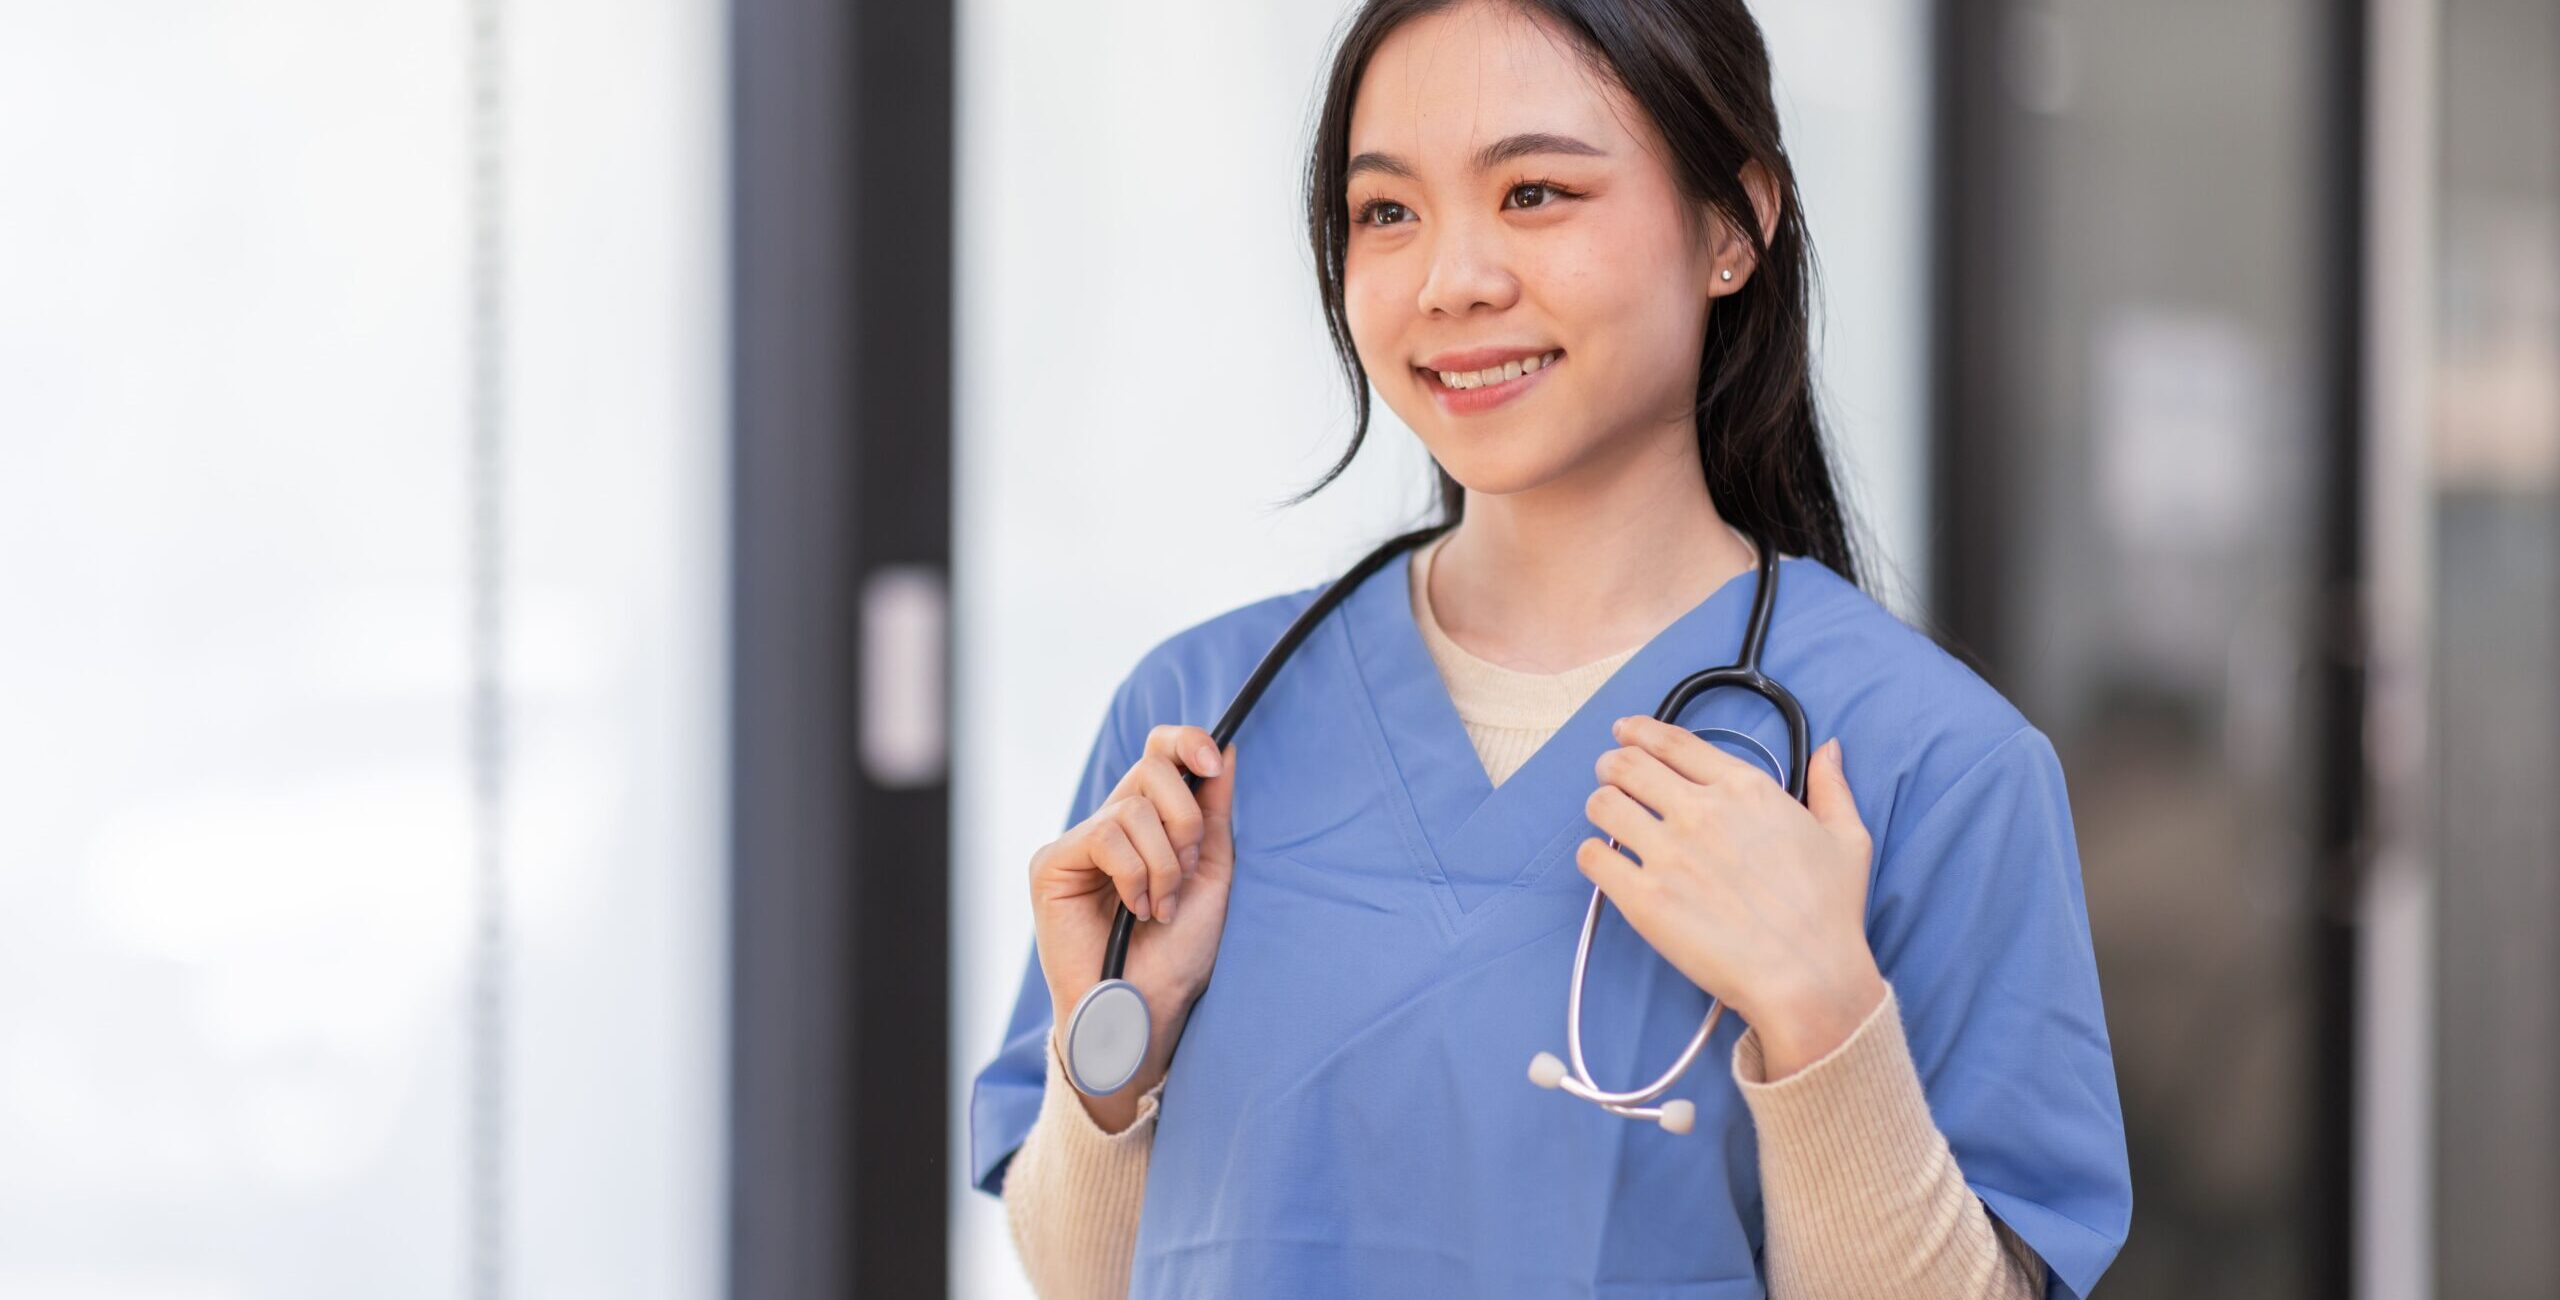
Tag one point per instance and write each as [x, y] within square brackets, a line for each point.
[2144, 298]
[564, 559]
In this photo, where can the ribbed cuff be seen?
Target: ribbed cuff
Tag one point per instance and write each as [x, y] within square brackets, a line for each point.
[1854, 1122]
[1061, 1095]
[1860, 1192]
[1073, 1192]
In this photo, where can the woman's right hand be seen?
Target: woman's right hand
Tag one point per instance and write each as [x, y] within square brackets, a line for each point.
[1166, 854]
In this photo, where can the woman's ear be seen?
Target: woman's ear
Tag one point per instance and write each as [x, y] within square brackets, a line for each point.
[1734, 256]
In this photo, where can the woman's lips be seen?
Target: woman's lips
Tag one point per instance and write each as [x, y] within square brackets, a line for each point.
[1469, 401]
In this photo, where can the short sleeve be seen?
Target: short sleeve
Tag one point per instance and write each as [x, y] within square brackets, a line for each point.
[1005, 1097]
[1977, 916]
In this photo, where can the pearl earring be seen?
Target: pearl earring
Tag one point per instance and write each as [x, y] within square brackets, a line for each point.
[1728, 273]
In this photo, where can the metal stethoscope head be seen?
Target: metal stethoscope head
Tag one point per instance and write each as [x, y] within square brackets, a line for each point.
[1679, 1114]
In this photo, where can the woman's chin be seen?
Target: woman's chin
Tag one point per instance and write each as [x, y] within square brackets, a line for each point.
[1485, 469]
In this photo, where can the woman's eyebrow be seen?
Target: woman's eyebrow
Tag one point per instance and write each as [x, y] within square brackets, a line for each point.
[1491, 156]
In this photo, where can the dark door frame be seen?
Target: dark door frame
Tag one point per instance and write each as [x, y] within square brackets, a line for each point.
[841, 134]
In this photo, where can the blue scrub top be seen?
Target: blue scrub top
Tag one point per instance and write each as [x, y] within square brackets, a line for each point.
[1349, 1111]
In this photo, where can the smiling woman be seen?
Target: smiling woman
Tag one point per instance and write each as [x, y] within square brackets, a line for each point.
[1630, 249]
[1563, 243]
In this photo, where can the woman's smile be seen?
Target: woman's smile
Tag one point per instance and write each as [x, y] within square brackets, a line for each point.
[1466, 392]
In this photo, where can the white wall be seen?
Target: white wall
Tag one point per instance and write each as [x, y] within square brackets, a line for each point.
[1142, 368]
[235, 857]
[1854, 100]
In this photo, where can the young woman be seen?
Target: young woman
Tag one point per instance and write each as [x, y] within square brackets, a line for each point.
[1561, 240]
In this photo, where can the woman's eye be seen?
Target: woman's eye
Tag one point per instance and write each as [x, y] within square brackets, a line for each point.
[1381, 212]
[1542, 189]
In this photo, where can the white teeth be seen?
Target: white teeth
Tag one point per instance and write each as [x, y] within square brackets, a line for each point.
[1464, 379]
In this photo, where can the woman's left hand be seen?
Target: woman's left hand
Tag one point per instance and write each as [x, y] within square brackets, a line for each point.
[1759, 900]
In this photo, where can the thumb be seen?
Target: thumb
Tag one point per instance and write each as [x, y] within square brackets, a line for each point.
[1217, 797]
[1826, 790]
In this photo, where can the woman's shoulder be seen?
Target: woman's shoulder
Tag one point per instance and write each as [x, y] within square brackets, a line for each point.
[1906, 708]
[1872, 650]
[1191, 673]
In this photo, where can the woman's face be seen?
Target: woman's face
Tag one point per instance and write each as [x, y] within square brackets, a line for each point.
[1509, 205]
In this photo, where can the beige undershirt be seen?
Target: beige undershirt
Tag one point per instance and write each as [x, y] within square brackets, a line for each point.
[1861, 1195]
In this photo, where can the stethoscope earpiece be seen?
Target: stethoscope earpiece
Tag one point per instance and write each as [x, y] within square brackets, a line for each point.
[1546, 1071]
[1677, 1115]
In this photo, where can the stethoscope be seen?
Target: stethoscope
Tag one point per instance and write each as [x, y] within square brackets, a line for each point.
[1107, 1033]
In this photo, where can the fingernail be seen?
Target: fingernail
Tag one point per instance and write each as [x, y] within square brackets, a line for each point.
[1139, 909]
[1205, 761]
[1191, 857]
[1164, 910]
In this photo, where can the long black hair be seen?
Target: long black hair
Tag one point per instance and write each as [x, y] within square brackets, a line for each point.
[1700, 70]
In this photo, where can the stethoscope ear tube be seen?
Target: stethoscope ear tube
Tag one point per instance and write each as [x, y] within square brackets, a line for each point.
[1676, 1115]
[1097, 1030]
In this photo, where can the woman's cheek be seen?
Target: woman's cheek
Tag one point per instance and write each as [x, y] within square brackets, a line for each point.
[1367, 307]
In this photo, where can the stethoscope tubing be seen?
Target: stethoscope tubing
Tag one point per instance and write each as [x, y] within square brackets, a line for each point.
[1744, 673]
[1115, 955]
[1113, 1018]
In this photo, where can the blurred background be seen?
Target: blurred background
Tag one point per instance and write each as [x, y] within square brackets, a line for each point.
[562, 557]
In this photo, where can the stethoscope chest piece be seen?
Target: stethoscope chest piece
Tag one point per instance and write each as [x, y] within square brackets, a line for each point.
[1106, 1037]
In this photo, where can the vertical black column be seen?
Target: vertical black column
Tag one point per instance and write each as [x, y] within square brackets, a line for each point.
[2340, 795]
[840, 328]
[1975, 221]
[901, 217]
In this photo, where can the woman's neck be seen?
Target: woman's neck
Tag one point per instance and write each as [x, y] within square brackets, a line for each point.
[1549, 579]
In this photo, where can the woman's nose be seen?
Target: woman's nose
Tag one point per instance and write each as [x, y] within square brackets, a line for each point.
[1468, 270]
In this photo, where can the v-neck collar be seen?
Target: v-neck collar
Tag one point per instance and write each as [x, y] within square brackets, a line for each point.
[1480, 842]
[1488, 694]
